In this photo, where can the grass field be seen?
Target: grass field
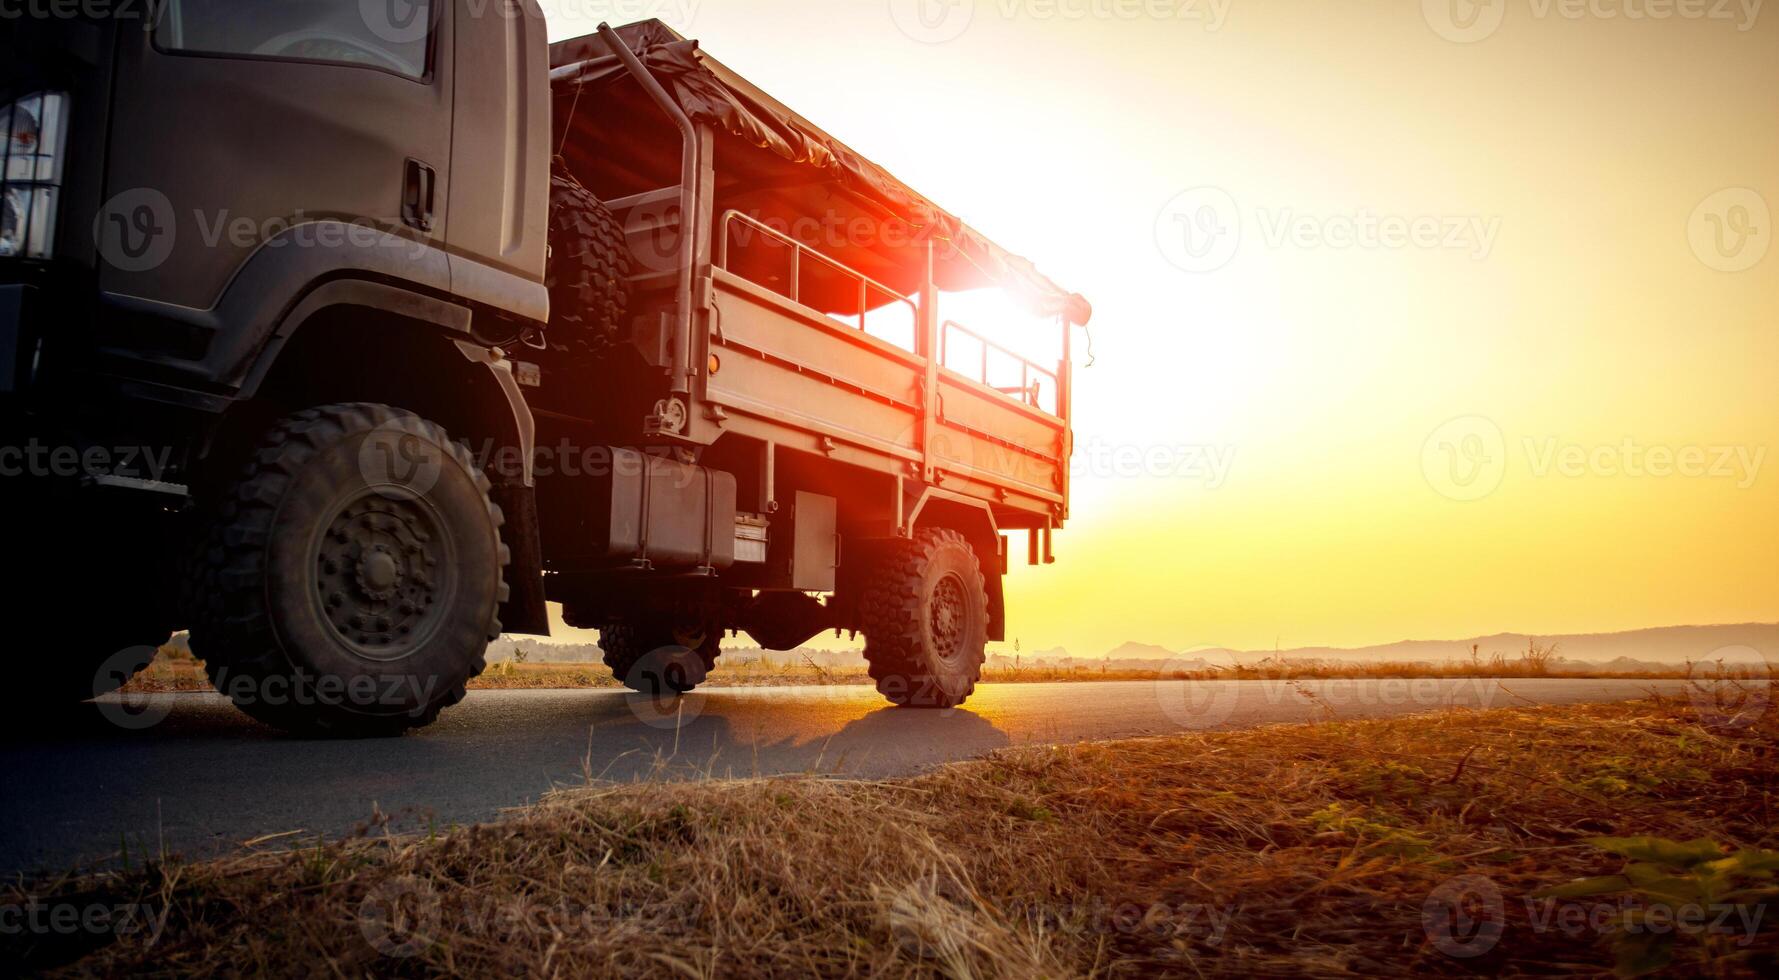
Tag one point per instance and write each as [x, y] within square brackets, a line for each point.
[1445, 844]
[175, 671]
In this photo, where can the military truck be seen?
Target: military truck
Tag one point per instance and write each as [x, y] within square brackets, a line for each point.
[348, 341]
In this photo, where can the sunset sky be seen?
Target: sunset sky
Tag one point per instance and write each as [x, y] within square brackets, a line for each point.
[1484, 356]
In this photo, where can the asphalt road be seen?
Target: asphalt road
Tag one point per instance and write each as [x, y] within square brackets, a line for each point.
[189, 775]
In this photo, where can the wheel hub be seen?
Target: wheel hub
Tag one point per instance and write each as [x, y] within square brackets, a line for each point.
[382, 574]
[947, 615]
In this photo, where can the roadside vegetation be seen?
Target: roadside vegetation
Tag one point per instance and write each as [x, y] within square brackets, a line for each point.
[1629, 838]
[174, 670]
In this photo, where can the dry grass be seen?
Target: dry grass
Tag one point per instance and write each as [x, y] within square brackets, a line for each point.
[1285, 851]
[173, 671]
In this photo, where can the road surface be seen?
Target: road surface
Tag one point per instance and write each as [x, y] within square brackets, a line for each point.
[188, 774]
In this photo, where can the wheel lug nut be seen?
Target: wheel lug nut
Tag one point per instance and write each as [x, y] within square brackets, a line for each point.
[336, 600]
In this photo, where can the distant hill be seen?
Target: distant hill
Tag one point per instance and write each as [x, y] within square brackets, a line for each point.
[1139, 651]
[1662, 648]
[1665, 647]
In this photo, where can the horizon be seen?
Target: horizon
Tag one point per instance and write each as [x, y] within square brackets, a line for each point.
[566, 636]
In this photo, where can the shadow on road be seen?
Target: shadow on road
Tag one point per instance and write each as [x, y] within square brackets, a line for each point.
[203, 778]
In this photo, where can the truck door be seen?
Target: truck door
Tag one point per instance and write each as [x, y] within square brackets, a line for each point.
[310, 126]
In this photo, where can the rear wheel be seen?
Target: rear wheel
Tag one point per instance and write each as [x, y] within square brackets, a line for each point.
[660, 661]
[352, 576]
[925, 612]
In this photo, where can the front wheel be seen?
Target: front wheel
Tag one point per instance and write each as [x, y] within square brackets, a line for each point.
[352, 577]
[925, 612]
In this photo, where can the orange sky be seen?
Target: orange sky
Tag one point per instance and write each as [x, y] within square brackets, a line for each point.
[1489, 352]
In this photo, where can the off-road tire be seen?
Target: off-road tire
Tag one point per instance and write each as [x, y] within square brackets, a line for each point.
[587, 272]
[360, 549]
[658, 660]
[925, 613]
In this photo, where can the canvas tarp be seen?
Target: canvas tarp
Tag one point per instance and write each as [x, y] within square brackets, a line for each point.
[710, 93]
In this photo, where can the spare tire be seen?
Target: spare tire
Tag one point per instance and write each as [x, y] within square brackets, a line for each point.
[587, 272]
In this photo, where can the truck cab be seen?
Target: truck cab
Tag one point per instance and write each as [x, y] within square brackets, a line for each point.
[348, 335]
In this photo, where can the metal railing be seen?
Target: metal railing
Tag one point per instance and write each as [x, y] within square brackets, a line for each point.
[1029, 391]
[866, 284]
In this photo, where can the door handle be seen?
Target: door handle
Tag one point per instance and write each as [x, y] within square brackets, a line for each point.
[418, 186]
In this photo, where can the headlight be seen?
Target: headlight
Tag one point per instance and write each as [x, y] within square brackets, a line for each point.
[36, 134]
